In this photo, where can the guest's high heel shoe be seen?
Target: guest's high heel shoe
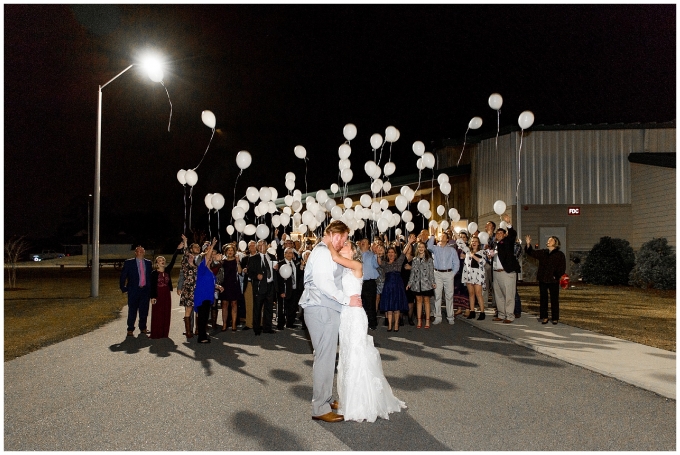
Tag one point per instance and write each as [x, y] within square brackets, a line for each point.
[471, 315]
[482, 316]
[420, 324]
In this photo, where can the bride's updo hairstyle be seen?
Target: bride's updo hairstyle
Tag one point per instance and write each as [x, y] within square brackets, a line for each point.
[356, 252]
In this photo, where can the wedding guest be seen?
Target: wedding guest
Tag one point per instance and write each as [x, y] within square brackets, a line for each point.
[461, 298]
[161, 288]
[231, 286]
[474, 275]
[289, 291]
[406, 275]
[446, 265]
[188, 282]
[552, 264]
[261, 268]
[134, 281]
[204, 293]
[248, 290]
[421, 283]
[370, 277]
[393, 298]
[505, 270]
[490, 229]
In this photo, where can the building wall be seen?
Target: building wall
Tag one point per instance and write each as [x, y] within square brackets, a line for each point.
[653, 210]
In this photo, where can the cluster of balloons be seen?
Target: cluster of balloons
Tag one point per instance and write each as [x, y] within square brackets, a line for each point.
[214, 201]
[187, 177]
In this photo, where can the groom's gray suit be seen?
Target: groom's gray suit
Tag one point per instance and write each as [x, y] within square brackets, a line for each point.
[322, 301]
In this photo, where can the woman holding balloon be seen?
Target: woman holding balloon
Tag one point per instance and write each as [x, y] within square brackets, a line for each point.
[474, 275]
[231, 285]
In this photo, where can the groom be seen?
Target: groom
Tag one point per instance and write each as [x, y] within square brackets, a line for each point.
[322, 301]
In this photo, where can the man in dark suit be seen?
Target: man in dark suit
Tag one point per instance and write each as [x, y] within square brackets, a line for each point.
[505, 269]
[261, 269]
[134, 279]
[289, 291]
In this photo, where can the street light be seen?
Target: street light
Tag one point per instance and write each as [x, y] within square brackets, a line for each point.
[153, 68]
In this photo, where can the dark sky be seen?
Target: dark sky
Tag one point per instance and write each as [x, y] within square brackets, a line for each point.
[281, 75]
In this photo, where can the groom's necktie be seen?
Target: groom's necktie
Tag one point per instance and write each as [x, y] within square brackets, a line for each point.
[265, 264]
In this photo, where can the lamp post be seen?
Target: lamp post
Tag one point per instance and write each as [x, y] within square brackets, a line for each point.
[155, 74]
[87, 258]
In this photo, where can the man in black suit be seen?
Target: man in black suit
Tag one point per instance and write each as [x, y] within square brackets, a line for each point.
[505, 269]
[261, 269]
[289, 291]
[134, 279]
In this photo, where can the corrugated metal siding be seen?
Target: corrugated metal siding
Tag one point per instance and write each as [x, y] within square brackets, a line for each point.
[559, 167]
[660, 140]
[653, 209]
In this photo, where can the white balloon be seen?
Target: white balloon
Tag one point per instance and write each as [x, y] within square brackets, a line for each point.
[423, 205]
[244, 205]
[376, 173]
[365, 200]
[384, 204]
[428, 160]
[441, 210]
[526, 119]
[209, 119]
[262, 231]
[495, 101]
[217, 201]
[475, 123]
[376, 186]
[284, 218]
[383, 224]
[191, 177]
[472, 228]
[503, 225]
[297, 205]
[242, 245]
[433, 224]
[390, 134]
[321, 196]
[297, 195]
[249, 229]
[348, 215]
[407, 216]
[401, 203]
[445, 188]
[290, 184]
[307, 217]
[456, 217]
[320, 216]
[376, 141]
[344, 164]
[180, 176]
[243, 159]
[444, 224]
[411, 194]
[409, 226]
[274, 193]
[237, 213]
[418, 148]
[285, 271]
[290, 176]
[300, 151]
[208, 201]
[262, 207]
[348, 202]
[346, 175]
[452, 212]
[334, 188]
[257, 212]
[271, 207]
[375, 207]
[288, 210]
[330, 203]
[499, 207]
[240, 225]
[483, 238]
[272, 251]
[442, 178]
[389, 168]
[252, 194]
[387, 186]
[420, 164]
[265, 194]
[387, 214]
[230, 229]
[276, 220]
[344, 151]
[288, 200]
[397, 231]
[349, 131]
[427, 214]
[336, 212]
[369, 167]
[397, 135]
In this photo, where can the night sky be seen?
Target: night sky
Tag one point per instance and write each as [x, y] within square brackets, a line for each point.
[278, 76]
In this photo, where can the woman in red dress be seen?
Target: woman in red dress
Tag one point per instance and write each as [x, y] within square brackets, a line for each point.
[161, 287]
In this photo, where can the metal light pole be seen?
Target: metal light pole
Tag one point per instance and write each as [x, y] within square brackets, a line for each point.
[94, 289]
[87, 257]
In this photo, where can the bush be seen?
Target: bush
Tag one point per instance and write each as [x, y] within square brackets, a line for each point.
[609, 262]
[655, 266]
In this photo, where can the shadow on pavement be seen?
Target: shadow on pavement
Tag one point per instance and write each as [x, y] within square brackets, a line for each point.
[270, 437]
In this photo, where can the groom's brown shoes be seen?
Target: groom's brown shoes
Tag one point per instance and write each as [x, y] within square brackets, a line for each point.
[329, 417]
[335, 405]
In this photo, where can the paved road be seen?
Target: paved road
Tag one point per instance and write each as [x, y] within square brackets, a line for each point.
[466, 390]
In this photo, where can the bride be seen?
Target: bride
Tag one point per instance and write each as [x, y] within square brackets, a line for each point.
[364, 393]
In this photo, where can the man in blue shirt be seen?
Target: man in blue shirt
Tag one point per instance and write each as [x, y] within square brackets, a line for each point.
[446, 265]
[369, 288]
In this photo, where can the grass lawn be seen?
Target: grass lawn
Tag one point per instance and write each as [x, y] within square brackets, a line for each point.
[51, 305]
[643, 316]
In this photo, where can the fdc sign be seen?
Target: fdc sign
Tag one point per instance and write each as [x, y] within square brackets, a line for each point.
[574, 211]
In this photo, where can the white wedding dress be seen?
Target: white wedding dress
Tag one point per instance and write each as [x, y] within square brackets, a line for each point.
[364, 393]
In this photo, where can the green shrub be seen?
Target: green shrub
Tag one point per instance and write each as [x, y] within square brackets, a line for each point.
[609, 262]
[655, 266]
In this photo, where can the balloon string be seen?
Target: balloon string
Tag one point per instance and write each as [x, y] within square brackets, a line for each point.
[206, 150]
[306, 159]
[519, 168]
[191, 203]
[380, 157]
[184, 192]
[219, 237]
[464, 141]
[166, 91]
[233, 204]
[498, 130]
[209, 231]
[419, 172]
[390, 151]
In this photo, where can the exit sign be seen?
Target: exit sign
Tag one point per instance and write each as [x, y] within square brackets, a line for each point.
[574, 211]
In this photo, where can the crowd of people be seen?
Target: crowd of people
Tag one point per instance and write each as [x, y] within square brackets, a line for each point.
[408, 280]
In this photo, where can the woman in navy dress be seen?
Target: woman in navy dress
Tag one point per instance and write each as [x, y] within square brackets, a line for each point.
[231, 268]
[393, 298]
